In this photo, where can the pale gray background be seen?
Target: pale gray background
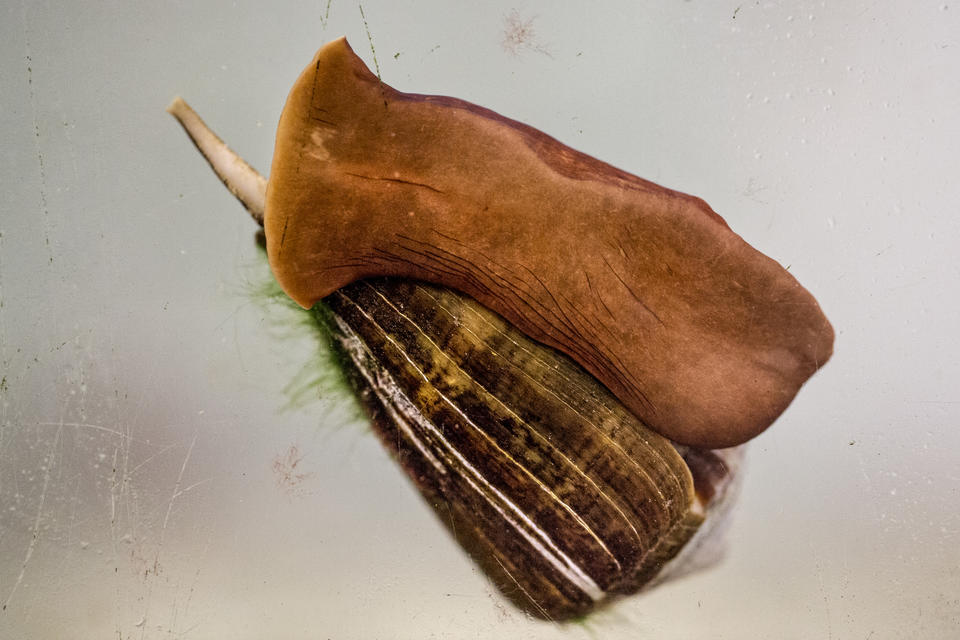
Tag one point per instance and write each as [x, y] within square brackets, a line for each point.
[143, 394]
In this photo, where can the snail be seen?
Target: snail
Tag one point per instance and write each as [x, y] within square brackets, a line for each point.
[566, 494]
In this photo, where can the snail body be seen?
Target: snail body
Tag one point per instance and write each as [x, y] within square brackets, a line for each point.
[697, 333]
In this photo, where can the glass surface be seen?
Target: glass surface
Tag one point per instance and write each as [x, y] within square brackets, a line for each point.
[162, 472]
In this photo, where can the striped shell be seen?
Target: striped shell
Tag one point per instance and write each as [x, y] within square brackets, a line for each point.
[558, 492]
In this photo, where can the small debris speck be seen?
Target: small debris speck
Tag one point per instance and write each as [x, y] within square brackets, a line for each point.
[519, 35]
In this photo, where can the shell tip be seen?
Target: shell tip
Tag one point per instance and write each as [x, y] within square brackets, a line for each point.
[176, 106]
